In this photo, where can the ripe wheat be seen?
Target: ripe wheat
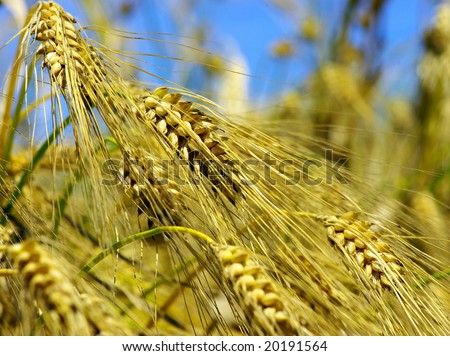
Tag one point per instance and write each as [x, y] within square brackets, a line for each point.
[356, 239]
[264, 253]
[65, 310]
[192, 133]
[268, 309]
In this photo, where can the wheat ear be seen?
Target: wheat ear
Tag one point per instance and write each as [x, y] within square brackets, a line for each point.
[184, 131]
[65, 311]
[66, 55]
[266, 303]
[358, 240]
[193, 134]
[141, 177]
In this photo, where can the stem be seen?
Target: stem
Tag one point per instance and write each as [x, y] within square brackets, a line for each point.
[27, 173]
[162, 311]
[9, 96]
[62, 201]
[17, 117]
[339, 39]
[161, 280]
[11, 86]
[438, 275]
[141, 236]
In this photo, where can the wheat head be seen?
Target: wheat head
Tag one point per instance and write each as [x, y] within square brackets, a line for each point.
[265, 302]
[64, 310]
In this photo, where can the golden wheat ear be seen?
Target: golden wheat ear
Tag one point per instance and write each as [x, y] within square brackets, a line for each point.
[359, 240]
[47, 286]
[194, 136]
[255, 290]
[191, 145]
[76, 72]
[81, 73]
[68, 58]
[141, 176]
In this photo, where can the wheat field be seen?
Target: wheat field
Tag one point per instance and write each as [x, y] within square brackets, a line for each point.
[129, 208]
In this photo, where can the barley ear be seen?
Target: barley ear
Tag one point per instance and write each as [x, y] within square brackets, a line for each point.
[47, 284]
[264, 301]
[358, 240]
[193, 135]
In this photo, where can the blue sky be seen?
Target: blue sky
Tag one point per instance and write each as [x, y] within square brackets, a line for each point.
[252, 26]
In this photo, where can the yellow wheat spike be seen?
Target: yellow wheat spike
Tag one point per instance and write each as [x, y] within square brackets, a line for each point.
[64, 310]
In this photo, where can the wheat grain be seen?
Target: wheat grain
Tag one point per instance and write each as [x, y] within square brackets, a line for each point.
[10, 323]
[6, 234]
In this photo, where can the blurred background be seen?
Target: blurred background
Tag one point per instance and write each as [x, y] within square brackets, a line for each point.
[367, 78]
